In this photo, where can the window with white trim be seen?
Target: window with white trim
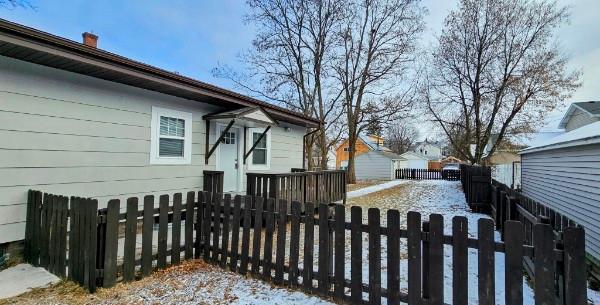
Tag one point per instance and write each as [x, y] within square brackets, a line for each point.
[171, 136]
[260, 157]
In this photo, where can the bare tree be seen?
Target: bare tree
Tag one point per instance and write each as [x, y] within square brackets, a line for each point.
[288, 60]
[496, 70]
[378, 41]
[401, 137]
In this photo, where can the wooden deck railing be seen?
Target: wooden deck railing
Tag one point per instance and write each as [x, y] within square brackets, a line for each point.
[316, 187]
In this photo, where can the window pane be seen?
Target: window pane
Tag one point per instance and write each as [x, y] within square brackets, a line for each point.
[263, 141]
[172, 127]
[170, 147]
[259, 156]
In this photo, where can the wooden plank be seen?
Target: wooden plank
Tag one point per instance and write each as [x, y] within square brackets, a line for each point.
[513, 265]
[393, 257]
[414, 257]
[268, 245]
[45, 231]
[63, 242]
[112, 243]
[85, 240]
[281, 241]
[163, 230]
[256, 234]
[436, 259]
[176, 230]
[294, 244]
[29, 224]
[75, 234]
[225, 235]
[485, 261]
[216, 225]
[235, 232]
[339, 251]
[356, 255]
[543, 243]
[309, 239]
[130, 240]
[36, 234]
[189, 224]
[206, 221]
[374, 256]
[247, 221]
[323, 263]
[72, 238]
[200, 205]
[460, 260]
[147, 232]
[575, 266]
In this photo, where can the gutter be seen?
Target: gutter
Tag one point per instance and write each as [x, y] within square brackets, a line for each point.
[572, 143]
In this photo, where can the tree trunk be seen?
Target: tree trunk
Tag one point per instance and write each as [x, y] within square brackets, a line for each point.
[309, 153]
[323, 148]
[351, 176]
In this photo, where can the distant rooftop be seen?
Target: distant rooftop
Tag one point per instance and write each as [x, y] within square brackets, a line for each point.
[592, 108]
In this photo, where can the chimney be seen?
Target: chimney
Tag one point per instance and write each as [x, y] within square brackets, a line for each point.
[90, 39]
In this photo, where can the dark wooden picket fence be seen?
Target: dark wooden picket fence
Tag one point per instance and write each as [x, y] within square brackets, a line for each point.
[299, 185]
[476, 182]
[249, 235]
[427, 174]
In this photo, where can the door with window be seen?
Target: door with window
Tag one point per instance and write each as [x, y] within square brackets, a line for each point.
[228, 159]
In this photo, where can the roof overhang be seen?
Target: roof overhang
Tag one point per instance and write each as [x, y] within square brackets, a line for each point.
[247, 116]
[565, 119]
[31, 45]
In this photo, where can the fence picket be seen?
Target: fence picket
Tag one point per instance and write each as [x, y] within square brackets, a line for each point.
[216, 225]
[339, 251]
[436, 259]
[112, 243]
[374, 256]
[393, 257]
[235, 232]
[308, 246]
[176, 230]
[189, 224]
[130, 239]
[163, 230]
[268, 244]
[460, 260]
[281, 241]
[356, 254]
[225, 235]
[324, 258]
[199, 223]
[147, 232]
[543, 242]
[513, 232]
[247, 221]
[414, 257]
[575, 266]
[256, 235]
[486, 261]
[294, 244]
[206, 222]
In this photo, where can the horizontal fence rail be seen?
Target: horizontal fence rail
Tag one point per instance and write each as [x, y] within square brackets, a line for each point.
[312, 250]
[427, 174]
[303, 186]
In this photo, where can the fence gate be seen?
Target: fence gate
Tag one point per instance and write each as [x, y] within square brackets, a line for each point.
[476, 181]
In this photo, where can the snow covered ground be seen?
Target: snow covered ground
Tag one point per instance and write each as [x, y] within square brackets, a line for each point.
[374, 188]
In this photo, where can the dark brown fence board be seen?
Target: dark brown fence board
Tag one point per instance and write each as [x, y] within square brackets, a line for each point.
[147, 232]
[73, 233]
[91, 275]
[206, 221]
[225, 235]
[281, 242]
[199, 223]
[216, 226]
[256, 245]
[309, 228]
[112, 243]
[543, 242]
[294, 244]
[513, 232]
[176, 230]
[485, 261]
[324, 258]
[356, 254]
[247, 221]
[575, 266]
[268, 244]
[235, 232]
[130, 240]
[374, 256]
[436, 259]
[189, 224]
[339, 251]
[393, 257]
[163, 231]
[414, 257]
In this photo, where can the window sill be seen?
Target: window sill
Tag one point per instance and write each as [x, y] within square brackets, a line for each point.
[174, 161]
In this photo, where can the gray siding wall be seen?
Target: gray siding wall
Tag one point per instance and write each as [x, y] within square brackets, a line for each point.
[578, 119]
[373, 165]
[67, 133]
[567, 180]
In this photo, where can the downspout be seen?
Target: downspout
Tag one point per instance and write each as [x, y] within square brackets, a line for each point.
[304, 145]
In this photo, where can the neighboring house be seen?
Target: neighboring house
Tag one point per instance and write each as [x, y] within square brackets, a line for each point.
[412, 159]
[330, 161]
[507, 151]
[363, 145]
[81, 121]
[580, 114]
[376, 164]
[564, 173]
[431, 150]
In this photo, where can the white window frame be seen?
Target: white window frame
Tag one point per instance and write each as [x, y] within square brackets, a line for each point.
[157, 112]
[252, 166]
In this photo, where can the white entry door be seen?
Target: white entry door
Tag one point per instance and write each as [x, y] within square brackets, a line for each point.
[228, 159]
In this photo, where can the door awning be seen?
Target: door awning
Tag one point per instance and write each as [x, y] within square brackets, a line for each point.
[247, 117]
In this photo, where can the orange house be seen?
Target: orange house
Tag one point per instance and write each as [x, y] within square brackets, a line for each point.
[363, 145]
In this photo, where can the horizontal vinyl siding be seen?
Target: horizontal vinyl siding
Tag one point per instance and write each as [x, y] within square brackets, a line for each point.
[70, 134]
[372, 165]
[578, 119]
[567, 180]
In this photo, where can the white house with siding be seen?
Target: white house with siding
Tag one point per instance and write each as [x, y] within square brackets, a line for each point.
[376, 164]
[77, 120]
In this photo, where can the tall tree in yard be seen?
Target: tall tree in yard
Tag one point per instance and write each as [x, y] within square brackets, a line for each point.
[496, 70]
[378, 40]
[289, 62]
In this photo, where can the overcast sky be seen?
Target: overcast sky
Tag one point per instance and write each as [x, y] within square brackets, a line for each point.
[192, 37]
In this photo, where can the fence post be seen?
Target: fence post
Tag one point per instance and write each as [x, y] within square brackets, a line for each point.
[575, 266]
[425, 268]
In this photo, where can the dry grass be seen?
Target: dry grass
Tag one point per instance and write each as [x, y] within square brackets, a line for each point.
[362, 184]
